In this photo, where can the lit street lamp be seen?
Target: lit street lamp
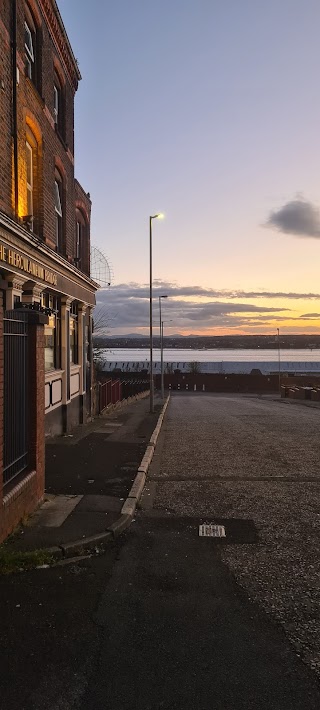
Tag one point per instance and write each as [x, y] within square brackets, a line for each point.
[161, 342]
[155, 216]
[162, 373]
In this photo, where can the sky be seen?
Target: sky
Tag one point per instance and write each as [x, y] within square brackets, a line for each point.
[207, 111]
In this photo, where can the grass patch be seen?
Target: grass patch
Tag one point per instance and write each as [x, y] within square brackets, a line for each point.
[17, 561]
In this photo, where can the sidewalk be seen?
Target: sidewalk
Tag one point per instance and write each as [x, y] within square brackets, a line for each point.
[88, 477]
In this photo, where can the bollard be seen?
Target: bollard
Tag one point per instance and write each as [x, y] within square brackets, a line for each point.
[169, 387]
[187, 387]
[203, 388]
[194, 388]
[178, 387]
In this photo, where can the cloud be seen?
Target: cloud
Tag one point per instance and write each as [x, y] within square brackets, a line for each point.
[173, 290]
[310, 315]
[298, 217]
[188, 307]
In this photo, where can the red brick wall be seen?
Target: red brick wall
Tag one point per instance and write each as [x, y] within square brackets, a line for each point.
[17, 507]
[35, 109]
[5, 110]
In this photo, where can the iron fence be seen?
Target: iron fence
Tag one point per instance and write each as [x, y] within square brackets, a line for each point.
[16, 439]
[109, 393]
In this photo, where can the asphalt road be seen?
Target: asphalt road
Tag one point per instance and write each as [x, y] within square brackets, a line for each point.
[173, 621]
[254, 459]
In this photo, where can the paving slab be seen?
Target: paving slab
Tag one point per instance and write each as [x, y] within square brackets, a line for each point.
[100, 504]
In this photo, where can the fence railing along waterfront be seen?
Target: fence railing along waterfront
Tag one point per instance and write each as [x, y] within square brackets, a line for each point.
[114, 391]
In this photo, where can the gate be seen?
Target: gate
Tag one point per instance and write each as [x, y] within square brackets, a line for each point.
[15, 409]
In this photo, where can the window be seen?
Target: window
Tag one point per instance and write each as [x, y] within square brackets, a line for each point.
[29, 44]
[81, 241]
[58, 106]
[30, 176]
[52, 331]
[74, 333]
[32, 47]
[58, 210]
[33, 175]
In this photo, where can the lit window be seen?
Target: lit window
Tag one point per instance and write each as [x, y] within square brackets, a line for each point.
[30, 169]
[29, 51]
[58, 212]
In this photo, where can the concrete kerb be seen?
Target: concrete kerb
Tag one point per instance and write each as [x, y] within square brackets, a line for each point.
[127, 511]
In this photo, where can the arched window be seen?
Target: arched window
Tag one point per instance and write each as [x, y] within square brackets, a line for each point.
[32, 48]
[31, 219]
[59, 210]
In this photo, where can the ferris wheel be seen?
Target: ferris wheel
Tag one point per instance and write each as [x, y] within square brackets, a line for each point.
[100, 268]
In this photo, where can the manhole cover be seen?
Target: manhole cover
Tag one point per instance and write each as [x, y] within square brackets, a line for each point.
[212, 530]
[230, 531]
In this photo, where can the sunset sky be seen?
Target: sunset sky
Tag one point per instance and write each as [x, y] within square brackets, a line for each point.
[210, 112]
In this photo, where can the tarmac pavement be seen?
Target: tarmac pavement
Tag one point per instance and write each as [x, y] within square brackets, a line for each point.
[88, 477]
[169, 620]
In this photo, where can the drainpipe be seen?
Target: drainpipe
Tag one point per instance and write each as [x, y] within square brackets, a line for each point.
[14, 106]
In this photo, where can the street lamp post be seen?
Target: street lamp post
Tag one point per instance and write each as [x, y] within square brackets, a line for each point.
[279, 361]
[161, 344]
[162, 373]
[155, 216]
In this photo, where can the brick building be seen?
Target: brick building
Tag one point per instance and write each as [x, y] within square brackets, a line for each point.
[46, 292]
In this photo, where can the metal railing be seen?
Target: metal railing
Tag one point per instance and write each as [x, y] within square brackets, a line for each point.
[16, 396]
[109, 393]
[113, 391]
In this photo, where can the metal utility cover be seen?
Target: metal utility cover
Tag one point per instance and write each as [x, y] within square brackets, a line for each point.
[209, 530]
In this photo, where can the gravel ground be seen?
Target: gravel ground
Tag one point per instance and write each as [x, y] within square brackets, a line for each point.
[241, 457]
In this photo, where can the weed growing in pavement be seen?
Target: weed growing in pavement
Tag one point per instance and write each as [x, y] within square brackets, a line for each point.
[17, 561]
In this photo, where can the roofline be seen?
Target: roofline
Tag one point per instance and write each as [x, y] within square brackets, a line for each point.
[63, 29]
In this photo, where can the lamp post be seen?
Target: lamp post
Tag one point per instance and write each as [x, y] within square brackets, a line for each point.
[161, 343]
[162, 373]
[279, 361]
[155, 216]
